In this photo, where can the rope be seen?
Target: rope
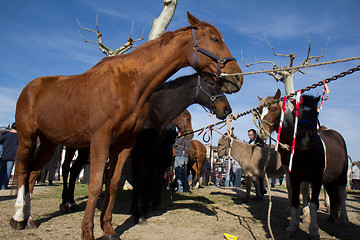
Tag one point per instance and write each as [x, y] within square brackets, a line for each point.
[308, 88]
[291, 68]
[269, 191]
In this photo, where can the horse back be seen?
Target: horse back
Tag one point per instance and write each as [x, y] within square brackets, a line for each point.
[336, 157]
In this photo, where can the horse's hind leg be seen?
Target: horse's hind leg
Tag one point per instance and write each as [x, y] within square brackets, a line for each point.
[343, 213]
[304, 189]
[28, 170]
[22, 205]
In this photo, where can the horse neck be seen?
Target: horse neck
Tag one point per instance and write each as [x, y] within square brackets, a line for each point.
[167, 103]
[157, 61]
[288, 128]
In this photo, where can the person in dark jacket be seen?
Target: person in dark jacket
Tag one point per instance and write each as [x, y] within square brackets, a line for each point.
[9, 140]
[256, 140]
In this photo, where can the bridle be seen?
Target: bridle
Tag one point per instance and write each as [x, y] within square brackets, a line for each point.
[212, 98]
[220, 61]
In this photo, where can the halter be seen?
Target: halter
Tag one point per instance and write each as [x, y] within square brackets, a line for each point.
[212, 98]
[220, 61]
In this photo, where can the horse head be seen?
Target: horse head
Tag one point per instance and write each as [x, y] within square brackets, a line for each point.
[270, 115]
[308, 119]
[224, 144]
[207, 52]
[183, 123]
[210, 95]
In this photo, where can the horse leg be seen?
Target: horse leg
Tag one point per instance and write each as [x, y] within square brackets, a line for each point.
[24, 153]
[138, 175]
[295, 209]
[326, 200]
[314, 206]
[343, 213]
[259, 195]
[117, 161]
[249, 181]
[69, 154]
[22, 218]
[99, 152]
[304, 189]
[83, 155]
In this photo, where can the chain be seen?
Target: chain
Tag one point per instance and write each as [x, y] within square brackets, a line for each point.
[308, 88]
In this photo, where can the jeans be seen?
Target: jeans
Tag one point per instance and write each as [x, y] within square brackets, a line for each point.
[5, 173]
[181, 177]
[237, 176]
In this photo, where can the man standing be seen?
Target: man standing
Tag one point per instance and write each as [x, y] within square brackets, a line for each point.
[355, 177]
[182, 148]
[256, 140]
[9, 141]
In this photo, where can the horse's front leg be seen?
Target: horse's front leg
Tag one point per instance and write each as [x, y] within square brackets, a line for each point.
[99, 152]
[249, 181]
[314, 206]
[295, 208]
[117, 161]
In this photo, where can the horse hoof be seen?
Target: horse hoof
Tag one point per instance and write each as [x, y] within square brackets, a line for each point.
[25, 224]
[17, 225]
[74, 207]
[142, 221]
[64, 208]
[110, 237]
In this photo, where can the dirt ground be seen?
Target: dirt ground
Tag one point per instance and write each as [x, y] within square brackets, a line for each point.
[206, 213]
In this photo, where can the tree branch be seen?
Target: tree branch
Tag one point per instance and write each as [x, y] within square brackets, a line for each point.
[106, 50]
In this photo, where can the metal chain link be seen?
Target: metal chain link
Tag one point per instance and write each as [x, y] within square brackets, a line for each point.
[308, 88]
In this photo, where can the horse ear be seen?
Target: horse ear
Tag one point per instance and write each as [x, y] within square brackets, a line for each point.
[259, 98]
[193, 20]
[277, 94]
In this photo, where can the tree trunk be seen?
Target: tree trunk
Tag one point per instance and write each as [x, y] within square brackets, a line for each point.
[159, 25]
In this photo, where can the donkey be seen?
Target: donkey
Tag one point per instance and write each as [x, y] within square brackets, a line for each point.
[254, 161]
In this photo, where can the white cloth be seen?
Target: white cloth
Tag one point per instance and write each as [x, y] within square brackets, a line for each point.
[355, 172]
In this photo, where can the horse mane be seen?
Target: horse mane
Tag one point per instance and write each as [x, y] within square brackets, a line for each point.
[310, 101]
[175, 83]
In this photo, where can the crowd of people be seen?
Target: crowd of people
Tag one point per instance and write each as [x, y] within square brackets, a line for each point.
[233, 173]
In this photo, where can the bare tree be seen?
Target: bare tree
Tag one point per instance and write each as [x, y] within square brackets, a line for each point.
[287, 76]
[158, 27]
[106, 50]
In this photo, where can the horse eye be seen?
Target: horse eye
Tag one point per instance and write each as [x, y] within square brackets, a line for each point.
[215, 39]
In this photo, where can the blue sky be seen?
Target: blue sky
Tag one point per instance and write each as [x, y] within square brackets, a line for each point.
[40, 38]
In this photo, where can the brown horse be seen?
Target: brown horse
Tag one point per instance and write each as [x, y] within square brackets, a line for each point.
[197, 156]
[104, 109]
[335, 174]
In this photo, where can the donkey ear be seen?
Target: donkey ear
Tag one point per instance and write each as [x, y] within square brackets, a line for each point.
[277, 94]
[259, 98]
[193, 20]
